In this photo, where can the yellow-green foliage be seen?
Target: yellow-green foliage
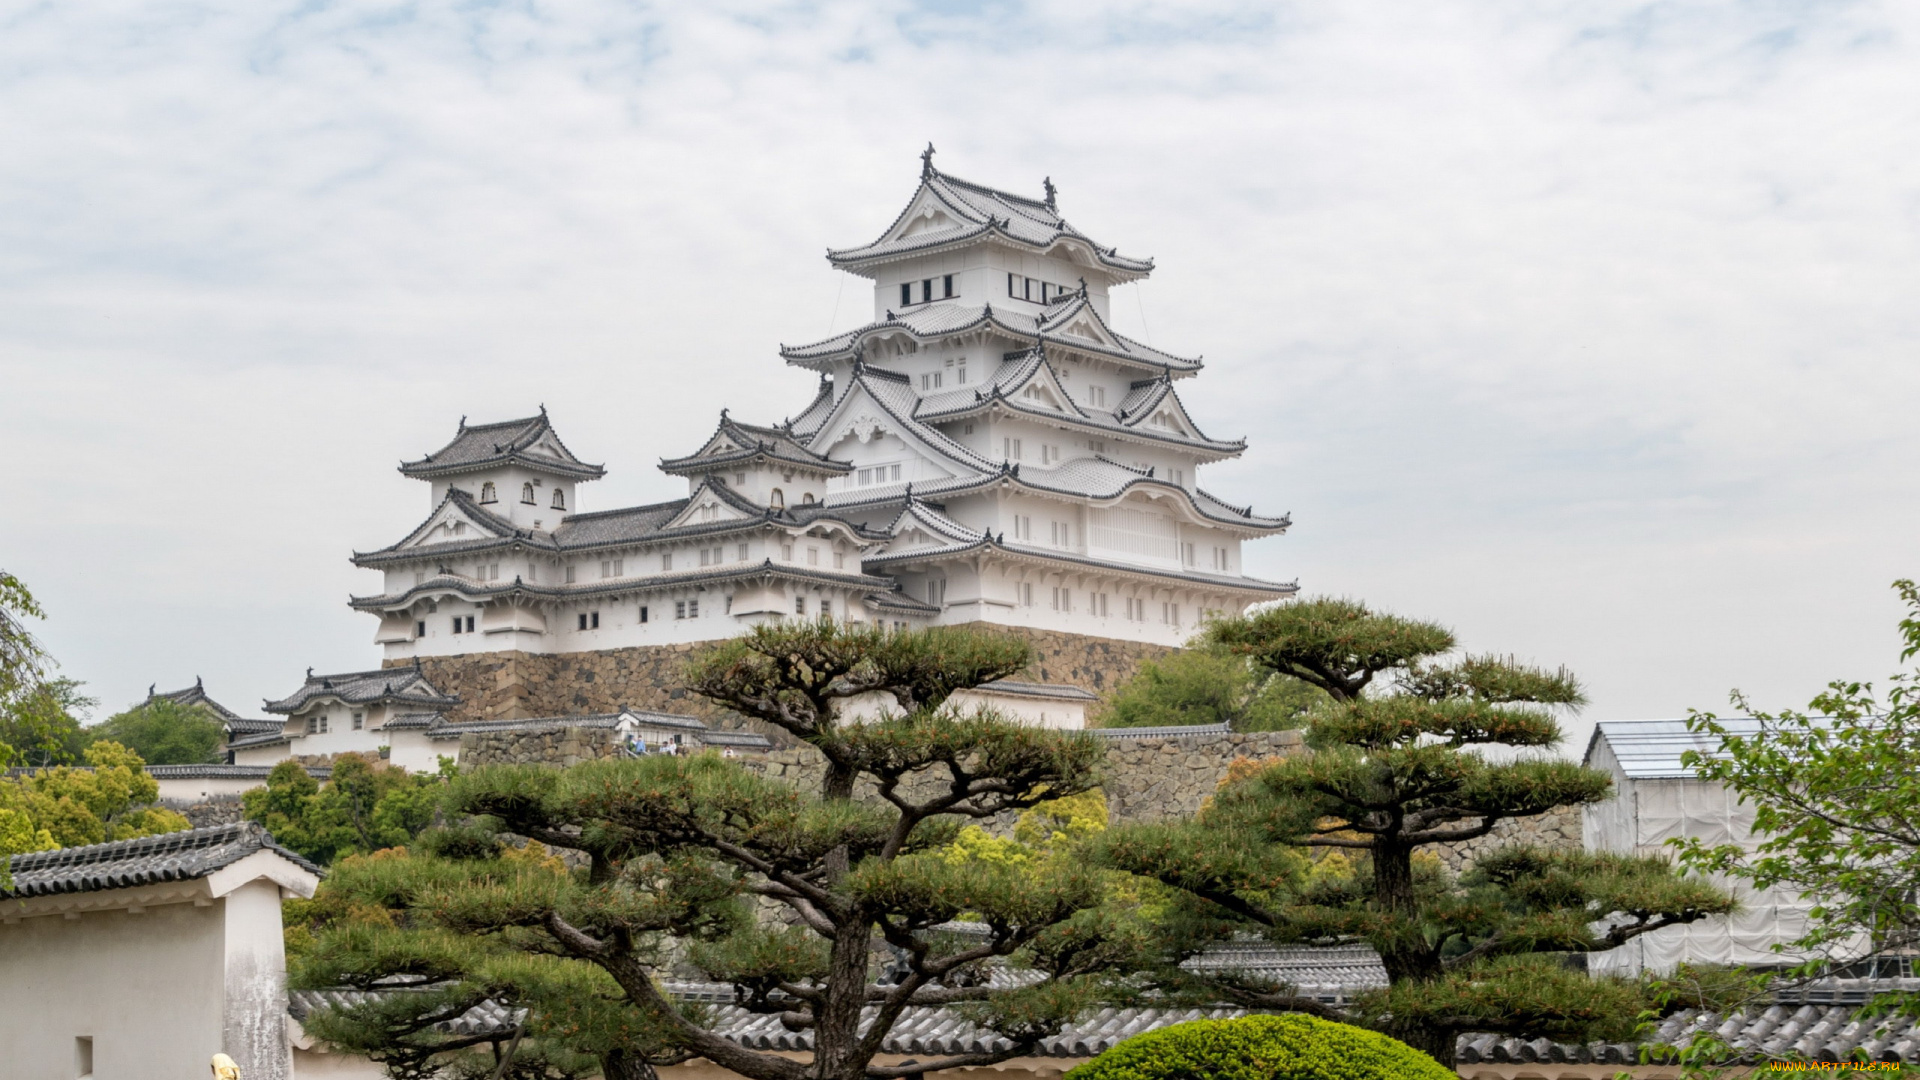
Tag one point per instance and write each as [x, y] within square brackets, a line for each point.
[1043, 832]
[1291, 1047]
[68, 807]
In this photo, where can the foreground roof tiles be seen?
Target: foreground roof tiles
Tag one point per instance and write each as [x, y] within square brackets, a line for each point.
[149, 860]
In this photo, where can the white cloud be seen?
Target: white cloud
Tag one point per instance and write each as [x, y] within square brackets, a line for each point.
[1586, 328]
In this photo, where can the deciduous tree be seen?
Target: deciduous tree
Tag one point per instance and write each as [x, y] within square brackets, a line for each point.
[364, 806]
[165, 732]
[1207, 686]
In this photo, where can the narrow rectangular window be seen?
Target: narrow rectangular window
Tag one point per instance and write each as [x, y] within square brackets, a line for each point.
[1013, 285]
[606, 568]
[960, 373]
[581, 621]
[666, 562]
[83, 1057]
[419, 577]
[359, 721]
[643, 613]
[469, 624]
[1027, 289]
[572, 573]
[906, 294]
[420, 629]
[594, 622]
[949, 287]
[926, 291]
[826, 607]
[839, 560]
[693, 609]
[866, 477]
[313, 725]
[533, 572]
[741, 555]
[456, 624]
[679, 609]
[799, 605]
[323, 724]
[813, 556]
[619, 567]
[786, 552]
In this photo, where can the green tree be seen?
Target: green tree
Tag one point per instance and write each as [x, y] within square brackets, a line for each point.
[45, 725]
[1336, 846]
[1208, 686]
[669, 847]
[166, 732]
[364, 806]
[23, 663]
[1833, 791]
[108, 799]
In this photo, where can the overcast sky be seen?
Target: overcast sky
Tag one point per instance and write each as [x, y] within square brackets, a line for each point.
[1587, 329]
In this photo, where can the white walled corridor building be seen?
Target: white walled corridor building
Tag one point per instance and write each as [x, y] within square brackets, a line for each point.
[987, 449]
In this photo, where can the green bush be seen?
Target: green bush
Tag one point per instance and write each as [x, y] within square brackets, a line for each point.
[1291, 1047]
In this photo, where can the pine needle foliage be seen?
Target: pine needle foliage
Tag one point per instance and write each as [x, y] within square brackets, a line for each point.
[823, 908]
[1336, 846]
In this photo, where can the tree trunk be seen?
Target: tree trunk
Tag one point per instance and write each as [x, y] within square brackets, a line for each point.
[836, 1019]
[1407, 955]
[1435, 1044]
[625, 1065]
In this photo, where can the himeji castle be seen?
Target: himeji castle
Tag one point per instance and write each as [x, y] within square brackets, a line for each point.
[986, 450]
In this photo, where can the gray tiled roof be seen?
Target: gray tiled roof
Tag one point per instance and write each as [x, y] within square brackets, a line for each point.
[765, 568]
[241, 726]
[179, 856]
[403, 685]
[1003, 392]
[1016, 329]
[984, 211]
[225, 772]
[745, 739]
[1022, 688]
[1771, 1032]
[1179, 732]
[734, 442]
[530, 441]
[586, 720]
[196, 695]
[484, 1018]
[272, 737]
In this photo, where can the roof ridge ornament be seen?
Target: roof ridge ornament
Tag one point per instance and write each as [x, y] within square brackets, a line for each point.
[1048, 185]
[926, 161]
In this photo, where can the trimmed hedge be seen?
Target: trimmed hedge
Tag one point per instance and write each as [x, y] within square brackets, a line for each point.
[1290, 1047]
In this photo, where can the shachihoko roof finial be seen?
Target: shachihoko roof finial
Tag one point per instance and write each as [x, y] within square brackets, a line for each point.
[1048, 184]
[463, 426]
[926, 161]
[151, 687]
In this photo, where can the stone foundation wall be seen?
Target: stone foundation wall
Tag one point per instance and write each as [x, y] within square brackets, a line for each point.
[224, 810]
[565, 746]
[1558, 830]
[517, 685]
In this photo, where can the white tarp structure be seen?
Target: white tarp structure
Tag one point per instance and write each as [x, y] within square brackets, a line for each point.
[1656, 799]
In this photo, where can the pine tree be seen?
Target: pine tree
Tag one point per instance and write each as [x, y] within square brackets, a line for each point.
[1336, 846]
[680, 860]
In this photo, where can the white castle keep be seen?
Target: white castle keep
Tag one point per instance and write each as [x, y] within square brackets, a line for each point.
[987, 449]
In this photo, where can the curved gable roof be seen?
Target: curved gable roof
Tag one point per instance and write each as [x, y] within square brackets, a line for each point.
[931, 322]
[978, 211]
[530, 441]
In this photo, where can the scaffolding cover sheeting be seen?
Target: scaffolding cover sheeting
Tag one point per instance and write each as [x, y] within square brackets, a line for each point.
[1657, 799]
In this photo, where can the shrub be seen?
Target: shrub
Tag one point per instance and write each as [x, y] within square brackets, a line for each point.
[1291, 1047]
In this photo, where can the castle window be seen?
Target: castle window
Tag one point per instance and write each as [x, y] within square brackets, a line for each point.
[937, 592]
[777, 500]
[786, 552]
[839, 560]
[487, 493]
[559, 498]
[459, 528]
[359, 721]
[799, 605]
[1170, 614]
[533, 571]
[589, 620]
[323, 723]
[643, 613]
[1096, 395]
[463, 624]
[313, 725]
[666, 562]
[572, 573]
[807, 499]
[742, 556]
[1049, 454]
[906, 294]
[612, 568]
[679, 609]
[419, 577]
[1025, 590]
[1010, 449]
[1186, 555]
[1022, 527]
[826, 608]
[526, 494]
[930, 381]
[1062, 600]
[948, 285]
[1097, 604]
[420, 629]
[813, 556]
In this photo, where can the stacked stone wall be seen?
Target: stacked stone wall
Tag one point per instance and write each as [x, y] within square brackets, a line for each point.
[562, 746]
[518, 685]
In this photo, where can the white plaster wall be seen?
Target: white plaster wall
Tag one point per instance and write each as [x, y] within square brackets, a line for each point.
[255, 1030]
[198, 789]
[317, 1064]
[150, 989]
